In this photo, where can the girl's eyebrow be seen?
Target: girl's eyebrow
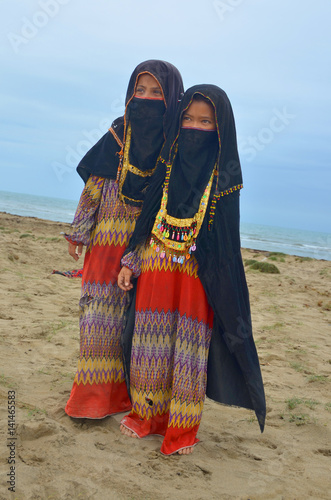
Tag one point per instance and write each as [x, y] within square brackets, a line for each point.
[152, 88]
[200, 117]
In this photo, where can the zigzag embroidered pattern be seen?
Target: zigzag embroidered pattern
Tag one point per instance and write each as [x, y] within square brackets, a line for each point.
[114, 221]
[102, 291]
[152, 261]
[99, 371]
[168, 366]
[113, 232]
[93, 190]
[100, 349]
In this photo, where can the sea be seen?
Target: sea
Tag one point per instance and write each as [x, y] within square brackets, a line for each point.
[255, 236]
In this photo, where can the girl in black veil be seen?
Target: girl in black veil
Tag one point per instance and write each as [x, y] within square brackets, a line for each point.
[117, 171]
[188, 331]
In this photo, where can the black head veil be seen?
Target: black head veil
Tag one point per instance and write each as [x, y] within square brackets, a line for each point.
[103, 158]
[228, 163]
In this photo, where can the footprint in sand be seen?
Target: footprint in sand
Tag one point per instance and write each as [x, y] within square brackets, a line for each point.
[35, 430]
[326, 452]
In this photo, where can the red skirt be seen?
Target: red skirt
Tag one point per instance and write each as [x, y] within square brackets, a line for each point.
[173, 326]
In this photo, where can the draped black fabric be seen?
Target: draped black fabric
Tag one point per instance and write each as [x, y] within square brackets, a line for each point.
[191, 171]
[234, 375]
[103, 158]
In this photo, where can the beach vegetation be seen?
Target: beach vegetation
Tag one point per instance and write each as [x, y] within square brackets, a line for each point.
[274, 309]
[53, 238]
[33, 410]
[55, 327]
[296, 348]
[277, 256]
[249, 262]
[311, 403]
[297, 367]
[6, 230]
[268, 293]
[42, 371]
[7, 382]
[328, 406]
[265, 267]
[26, 235]
[303, 259]
[277, 259]
[275, 326]
[317, 378]
[251, 419]
[294, 402]
[300, 419]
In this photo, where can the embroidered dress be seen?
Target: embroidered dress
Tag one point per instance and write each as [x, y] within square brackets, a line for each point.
[105, 224]
[190, 332]
[173, 326]
[117, 170]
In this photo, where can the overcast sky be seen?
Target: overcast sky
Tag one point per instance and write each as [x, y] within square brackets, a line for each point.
[65, 66]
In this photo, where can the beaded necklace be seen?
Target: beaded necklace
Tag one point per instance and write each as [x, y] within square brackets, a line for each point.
[126, 167]
[178, 236]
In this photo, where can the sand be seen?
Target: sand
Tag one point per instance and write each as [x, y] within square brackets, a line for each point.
[57, 457]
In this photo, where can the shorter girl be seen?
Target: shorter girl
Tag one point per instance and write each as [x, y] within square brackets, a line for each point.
[192, 326]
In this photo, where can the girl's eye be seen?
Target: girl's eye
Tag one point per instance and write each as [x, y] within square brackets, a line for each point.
[139, 90]
[186, 118]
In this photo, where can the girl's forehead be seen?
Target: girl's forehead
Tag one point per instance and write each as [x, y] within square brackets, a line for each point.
[147, 79]
[200, 106]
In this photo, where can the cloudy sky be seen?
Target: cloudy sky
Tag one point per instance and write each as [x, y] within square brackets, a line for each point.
[65, 66]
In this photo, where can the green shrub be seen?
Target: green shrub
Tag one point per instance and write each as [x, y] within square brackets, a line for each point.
[265, 267]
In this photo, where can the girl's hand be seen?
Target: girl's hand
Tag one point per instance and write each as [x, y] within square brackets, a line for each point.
[124, 278]
[75, 250]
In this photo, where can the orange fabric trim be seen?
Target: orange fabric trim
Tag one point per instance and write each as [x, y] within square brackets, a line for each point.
[117, 139]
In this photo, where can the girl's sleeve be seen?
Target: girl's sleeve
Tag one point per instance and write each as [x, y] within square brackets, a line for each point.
[132, 260]
[87, 209]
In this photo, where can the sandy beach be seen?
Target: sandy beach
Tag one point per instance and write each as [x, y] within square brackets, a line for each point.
[57, 457]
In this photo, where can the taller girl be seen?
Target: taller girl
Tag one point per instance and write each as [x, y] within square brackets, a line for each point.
[117, 171]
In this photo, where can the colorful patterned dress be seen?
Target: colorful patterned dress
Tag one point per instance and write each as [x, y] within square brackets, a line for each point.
[173, 327]
[104, 224]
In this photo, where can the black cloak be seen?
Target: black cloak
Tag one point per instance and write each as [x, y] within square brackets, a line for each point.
[233, 374]
[104, 158]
